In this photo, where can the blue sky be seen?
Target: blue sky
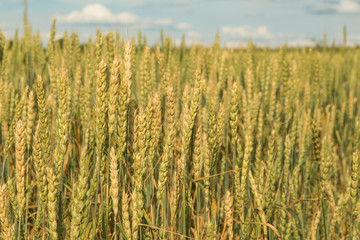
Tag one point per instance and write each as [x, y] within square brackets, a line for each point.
[266, 22]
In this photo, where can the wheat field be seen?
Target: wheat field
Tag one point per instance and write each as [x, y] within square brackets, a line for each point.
[116, 139]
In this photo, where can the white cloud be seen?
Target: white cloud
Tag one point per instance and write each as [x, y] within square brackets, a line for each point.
[348, 6]
[301, 43]
[99, 14]
[175, 2]
[341, 6]
[272, 43]
[191, 37]
[245, 31]
[235, 36]
[160, 22]
[143, 4]
[127, 18]
[183, 26]
[194, 35]
[235, 44]
[188, 42]
[244, 44]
